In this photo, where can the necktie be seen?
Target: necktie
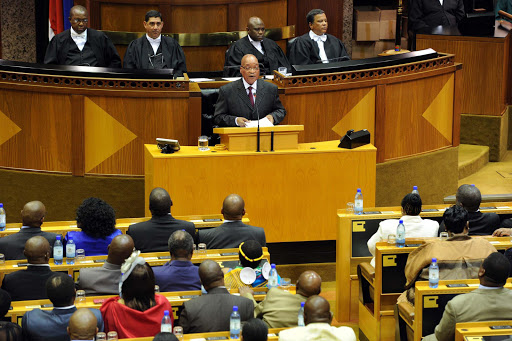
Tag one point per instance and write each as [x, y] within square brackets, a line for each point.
[251, 97]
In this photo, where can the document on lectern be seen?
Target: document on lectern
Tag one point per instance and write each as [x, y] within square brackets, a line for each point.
[264, 122]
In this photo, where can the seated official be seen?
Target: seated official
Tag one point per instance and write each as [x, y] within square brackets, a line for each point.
[248, 98]
[317, 46]
[8, 331]
[138, 312]
[490, 302]
[269, 54]
[30, 283]
[458, 257]
[415, 226]
[97, 220]
[155, 51]
[83, 325]
[179, 274]
[81, 45]
[250, 254]
[424, 15]
[41, 325]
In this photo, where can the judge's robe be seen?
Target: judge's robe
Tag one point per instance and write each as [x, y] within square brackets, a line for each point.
[426, 14]
[271, 60]
[139, 51]
[305, 50]
[103, 48]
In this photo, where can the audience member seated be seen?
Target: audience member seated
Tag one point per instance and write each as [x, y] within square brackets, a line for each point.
[163, 336]
[480, 224]
[30, 283]
[250, 254]
[459, 257]
[254, 330]
[138, 312]
[152, 235]
[179, 274]
[415, 226]
[97, 220]
[83, 325]
[424, 15]
[317, 318]
[105, 280]
[211, 312]
[8, 331]
[32, 216]
[487, 303]
[280, 308]
[233, 231]
[46, 325]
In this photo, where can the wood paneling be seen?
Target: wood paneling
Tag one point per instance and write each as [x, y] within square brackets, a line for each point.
[123, 17]
[272, 13]
[198, 19]
[196, 60]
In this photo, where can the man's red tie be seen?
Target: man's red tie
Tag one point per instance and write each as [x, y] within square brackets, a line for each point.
[251, 97]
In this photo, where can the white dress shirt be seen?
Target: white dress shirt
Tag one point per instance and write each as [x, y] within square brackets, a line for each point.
[79, 38]
[155, 43]
[256, 44]
[320, 40]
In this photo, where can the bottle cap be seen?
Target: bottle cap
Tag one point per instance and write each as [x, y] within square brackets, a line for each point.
[235, 308]
[472, 185]
[434, 260]
[400, 221]
[166, 312]
[1, 205]
[70, 238]
[414, 188]
[302, 304]
[58, 237]
[273, 266]
[359, 190]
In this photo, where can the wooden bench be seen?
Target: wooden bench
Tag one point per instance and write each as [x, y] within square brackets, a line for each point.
[483, 331]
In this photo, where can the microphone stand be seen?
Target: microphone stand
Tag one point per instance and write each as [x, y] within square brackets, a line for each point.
[258, 132]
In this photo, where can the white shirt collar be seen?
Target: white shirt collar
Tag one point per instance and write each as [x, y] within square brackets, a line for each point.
[155, 43]
[488, 288]
[78, 35]
[247, 85]
[257, 44]
[316, 37]
[68, 307]
[30, 264]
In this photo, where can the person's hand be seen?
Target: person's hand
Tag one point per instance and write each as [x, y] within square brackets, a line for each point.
[502, 232]
[240, 121]
[270, 118]
[246, 290]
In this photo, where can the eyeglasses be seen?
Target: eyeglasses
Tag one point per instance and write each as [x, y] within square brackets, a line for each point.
[76, 21]
[248, 68]
[155, 23]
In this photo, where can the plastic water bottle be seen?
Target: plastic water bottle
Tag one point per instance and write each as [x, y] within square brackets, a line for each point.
[300, 318]
[415, 190]
[272, 277]
[166, 326]
[234, 324]
[433, 274]
[2, 217]
[400, 234]
[58, 251]
[358, 202]
[70, 251]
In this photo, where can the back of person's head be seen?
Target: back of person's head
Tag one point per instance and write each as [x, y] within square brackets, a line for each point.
[254, 330]
[33, 214]
[5, 302]
[60, 289]
[181, 244]
[310, 17]
[469, 197]
[317, 310]
[120, 248]
[233, 207]
[153, 14]
[159, 201]
[138, 289]
[211, 274]
[411, 204]
[83, 325]
[96, 218]
[8, 331]
[309, 283]
[37, 250]
[250, 253]
[455, 219]
[496, 268]
[163, 336]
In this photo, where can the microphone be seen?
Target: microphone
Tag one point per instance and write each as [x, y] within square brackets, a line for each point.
[258, 131]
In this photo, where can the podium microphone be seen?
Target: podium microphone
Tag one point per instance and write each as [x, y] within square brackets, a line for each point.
[258, 132]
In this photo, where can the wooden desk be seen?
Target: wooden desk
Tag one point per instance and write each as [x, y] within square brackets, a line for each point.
[476, 331]
[293, 194]
[272, 336]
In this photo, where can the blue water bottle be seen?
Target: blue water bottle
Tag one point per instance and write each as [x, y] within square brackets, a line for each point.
[358, 202]
[58, 251]
[234, 324]
[2, 217]
[433, 274]
[70, 251]
[400, 234]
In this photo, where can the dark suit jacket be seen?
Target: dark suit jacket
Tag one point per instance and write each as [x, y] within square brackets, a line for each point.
[29, 284]
[480, 224]
[152, 235]
[51, 325]
[12, 246]
[426, 14]
[233, 102]
[210, 312]
[230, 235]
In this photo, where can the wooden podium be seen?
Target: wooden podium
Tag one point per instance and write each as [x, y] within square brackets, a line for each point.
[238, 139]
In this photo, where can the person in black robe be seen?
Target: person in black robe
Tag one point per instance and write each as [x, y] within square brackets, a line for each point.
[81, 45]
[155, 51]
[269, 54]
[424, 15]
[306, 48]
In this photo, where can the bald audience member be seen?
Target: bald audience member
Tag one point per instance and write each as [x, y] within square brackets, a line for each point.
[279, 309]
[32, 216]
[317, 317]
[82, 325]
[152, 235]
[29, 284]
[233, 231]
[210, 312]
[179, 274]
[105, 280]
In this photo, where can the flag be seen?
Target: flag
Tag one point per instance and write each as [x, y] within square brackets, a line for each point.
[58, 16]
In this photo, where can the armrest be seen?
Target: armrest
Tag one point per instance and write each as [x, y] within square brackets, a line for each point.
[366, 275]
[406, 312]
[368, 271]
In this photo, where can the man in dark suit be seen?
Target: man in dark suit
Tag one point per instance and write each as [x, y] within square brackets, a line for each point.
[233, 231]
[45, 325]
[32, 216]
[427, 14]
[211, 312]
[248, 99]
[152, 235]
[29, 284]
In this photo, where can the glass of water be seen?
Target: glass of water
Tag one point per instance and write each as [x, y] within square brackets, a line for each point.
[285, 283]
[201, 250]
[2, 258]
[101, 336]
[350, 208]
[178, 332]
[80, 256]
[112, 336]
[392, 239]
[202, 143]
[443, 236]
[282, 70]
[80, 296]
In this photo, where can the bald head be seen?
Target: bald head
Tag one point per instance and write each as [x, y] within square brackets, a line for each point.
[33, 214]
[37, 250]
[233, 207]
[211, 275]
[159, 202]
[249, 59]
[119, 249]
[78, 10]
[309, 283]
[82, 325]
[256, 28]
[317, 310]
